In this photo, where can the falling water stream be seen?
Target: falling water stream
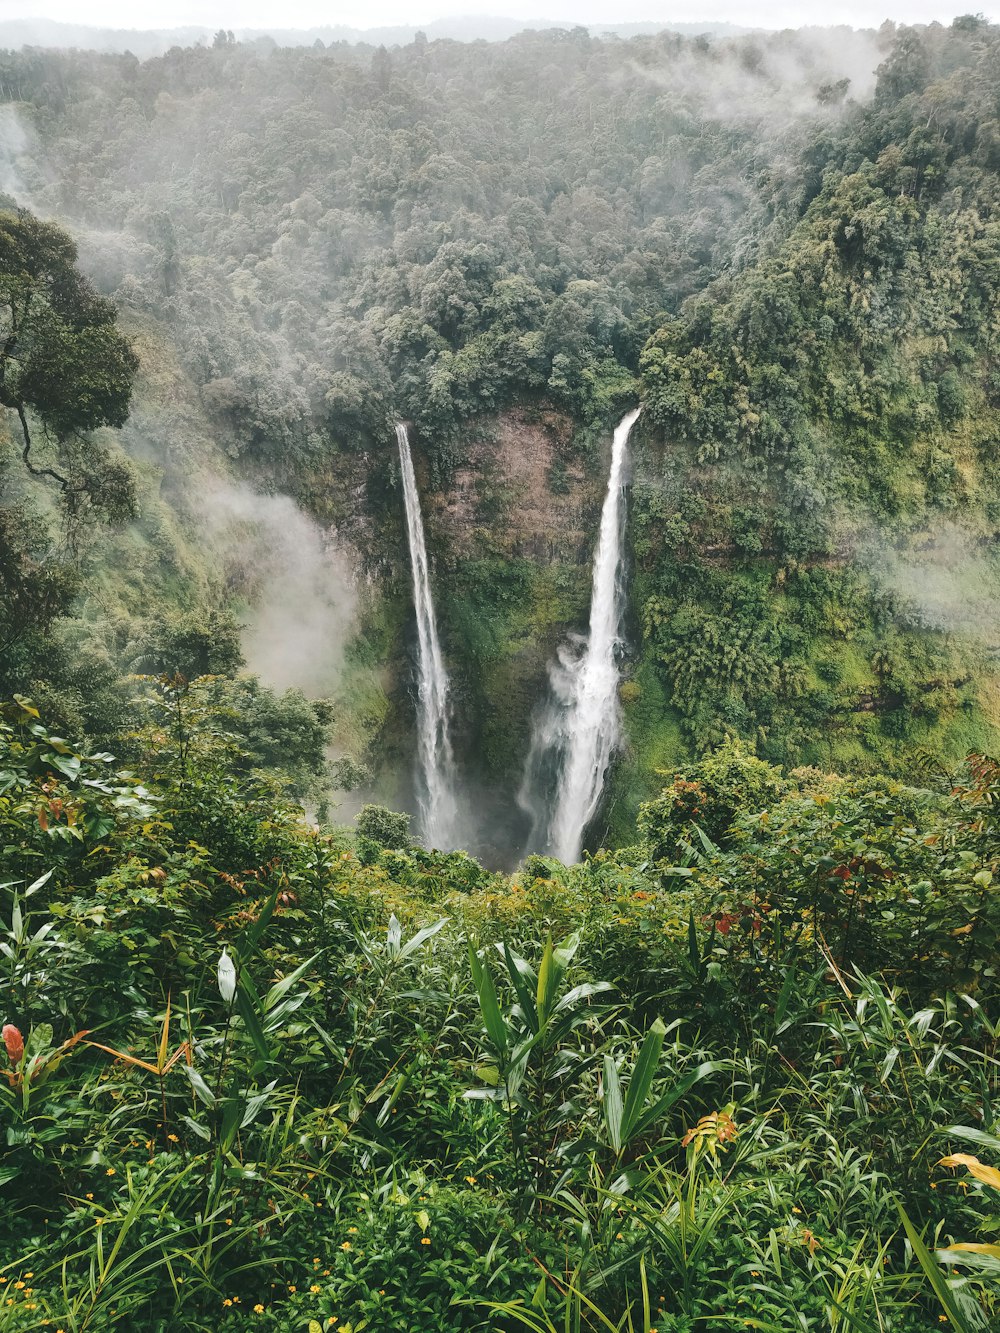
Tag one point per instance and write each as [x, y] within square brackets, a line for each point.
[435, 758]
[580, 727]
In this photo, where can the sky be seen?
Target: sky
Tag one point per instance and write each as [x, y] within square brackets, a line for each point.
[377, 13]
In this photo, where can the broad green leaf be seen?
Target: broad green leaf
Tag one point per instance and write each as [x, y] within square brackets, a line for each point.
[651, 1114]
[642, 1078]
[282, 987]
[248, 1010]
[546, 982]
[489, 1006]
[612, 1104]
[201, 1089]
[421, 937]
[942, 1290]
[519, 972]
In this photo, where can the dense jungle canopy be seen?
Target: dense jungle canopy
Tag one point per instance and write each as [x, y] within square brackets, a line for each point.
[266, 1061]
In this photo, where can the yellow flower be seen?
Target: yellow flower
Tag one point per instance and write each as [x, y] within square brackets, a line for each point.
[425, 1240]
[90, 1196]
[470, 1180]
[292, 1289]
[227, 1301]
[346, 1246]
[352, 1231]
[315, 1288]
[258, 1309]
[110, 1171]
[18, 1285]
[172, 1138]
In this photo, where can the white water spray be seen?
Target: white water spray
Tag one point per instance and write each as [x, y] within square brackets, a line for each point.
[435, 758]
[581, 726]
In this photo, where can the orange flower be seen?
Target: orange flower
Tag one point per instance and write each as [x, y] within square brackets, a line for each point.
[14, 1042]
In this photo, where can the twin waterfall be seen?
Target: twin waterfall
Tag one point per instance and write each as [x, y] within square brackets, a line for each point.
[577, 731]
[580, 726]
[436, 760]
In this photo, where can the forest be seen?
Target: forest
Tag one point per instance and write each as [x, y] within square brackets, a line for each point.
[310, 362]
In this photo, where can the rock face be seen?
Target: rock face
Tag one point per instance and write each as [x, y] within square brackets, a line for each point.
[520, 492]
[510, 542]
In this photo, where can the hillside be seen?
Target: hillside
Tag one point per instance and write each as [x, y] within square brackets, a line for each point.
[791, 261]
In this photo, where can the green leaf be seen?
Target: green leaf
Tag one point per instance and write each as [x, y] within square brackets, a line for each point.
[664, 1103]
[519, 972]
[248, 1008]
[612, 1104]
[68, 765]
[282, 987]
[201, 1130]
[642, 1078]
[201, 1089]
[946, 1297]
[422, 935]
[493, 1019]
[547, 981]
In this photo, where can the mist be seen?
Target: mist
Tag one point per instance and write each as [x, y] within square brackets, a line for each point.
[775, 82]
[950, 582]
[13, 144]
[296, 584]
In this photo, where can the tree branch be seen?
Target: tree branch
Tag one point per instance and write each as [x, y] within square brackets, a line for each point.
[26, 453]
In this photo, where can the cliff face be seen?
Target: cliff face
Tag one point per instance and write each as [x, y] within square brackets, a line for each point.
[510, 540]
[522, 492]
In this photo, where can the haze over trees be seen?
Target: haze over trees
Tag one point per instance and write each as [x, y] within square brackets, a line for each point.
[259, 1069]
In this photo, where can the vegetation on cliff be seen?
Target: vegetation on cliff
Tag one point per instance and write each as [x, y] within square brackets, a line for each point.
[793, 261]
[260, 1071]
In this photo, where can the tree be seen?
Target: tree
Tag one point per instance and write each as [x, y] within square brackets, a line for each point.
[63, 362]
[383, 827]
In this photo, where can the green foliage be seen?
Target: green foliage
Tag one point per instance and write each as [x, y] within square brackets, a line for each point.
[384, 828]
[709, 796]
[239, 1054]
[64, 361]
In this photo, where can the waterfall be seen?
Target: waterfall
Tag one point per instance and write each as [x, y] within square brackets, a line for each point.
[580, 727]
[435, 759]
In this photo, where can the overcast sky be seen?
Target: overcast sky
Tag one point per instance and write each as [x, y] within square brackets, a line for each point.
[373, 13]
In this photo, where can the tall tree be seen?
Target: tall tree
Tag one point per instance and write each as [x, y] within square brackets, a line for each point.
[64, 366]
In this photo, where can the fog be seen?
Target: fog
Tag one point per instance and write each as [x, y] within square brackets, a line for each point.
[13, 144]
[246, 14]
[297, 585]
[949, 581]
[772, 84]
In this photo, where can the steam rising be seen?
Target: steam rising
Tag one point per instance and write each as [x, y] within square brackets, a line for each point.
[950, 583]
[298, 584]
[772, 83]
[13, 144]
